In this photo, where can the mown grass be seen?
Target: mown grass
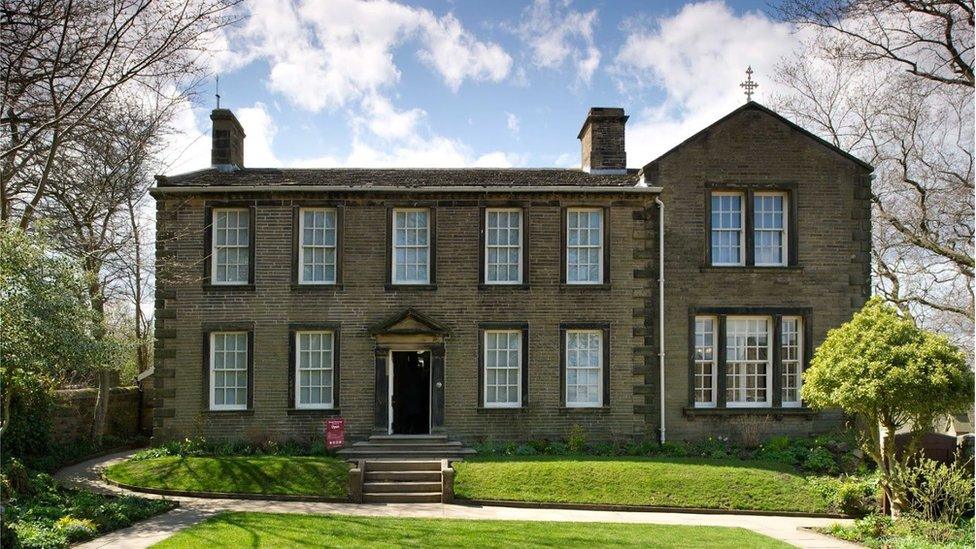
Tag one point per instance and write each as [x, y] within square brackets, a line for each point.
[279, 475]
[671, 482]
[257, 530]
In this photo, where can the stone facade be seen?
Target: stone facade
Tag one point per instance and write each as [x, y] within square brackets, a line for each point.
[188, 308]
[750, 148]
[829, 278]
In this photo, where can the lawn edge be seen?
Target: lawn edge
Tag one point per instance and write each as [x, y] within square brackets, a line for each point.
[640, 508]
[222, 495]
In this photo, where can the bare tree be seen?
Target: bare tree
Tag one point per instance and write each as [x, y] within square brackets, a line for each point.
[931, 39]
[63, 59]
[850, 85]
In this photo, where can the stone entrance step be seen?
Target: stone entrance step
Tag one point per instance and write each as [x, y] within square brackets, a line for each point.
[402, 481]
[406, 447]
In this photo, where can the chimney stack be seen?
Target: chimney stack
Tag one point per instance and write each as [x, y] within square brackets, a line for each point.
[227, 150]
[602, 138]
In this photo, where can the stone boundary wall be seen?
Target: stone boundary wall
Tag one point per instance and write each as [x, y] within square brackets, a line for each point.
[73, 413]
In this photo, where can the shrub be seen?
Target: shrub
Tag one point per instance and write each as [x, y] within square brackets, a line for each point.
[820, 460]
[885, 370]
[576, 441]
[32, 535]
[525, 450]
[557, 449]
[854, 496]
[75, 529]
[938, 492]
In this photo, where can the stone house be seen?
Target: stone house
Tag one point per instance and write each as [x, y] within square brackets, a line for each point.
[510, 303]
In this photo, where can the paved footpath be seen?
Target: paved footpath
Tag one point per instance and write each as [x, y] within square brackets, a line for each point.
[85, 476]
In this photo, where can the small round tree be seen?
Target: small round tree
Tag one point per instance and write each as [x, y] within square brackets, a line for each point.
[889, 374]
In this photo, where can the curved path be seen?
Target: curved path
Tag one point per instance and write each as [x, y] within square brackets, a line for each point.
[192, 510]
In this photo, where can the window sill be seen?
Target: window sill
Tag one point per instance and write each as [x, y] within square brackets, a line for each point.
[247, 412]
[778, 413]
[208, 287]
[750, 269]
[314, 411]
[501, 287]
[583, 287]
[502, 410]
[316, 287]
[411, 287]
[583, 409]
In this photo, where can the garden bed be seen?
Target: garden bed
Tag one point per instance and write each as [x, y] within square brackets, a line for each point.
[39, 513]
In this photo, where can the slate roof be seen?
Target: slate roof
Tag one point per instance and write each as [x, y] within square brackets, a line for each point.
[403, 178]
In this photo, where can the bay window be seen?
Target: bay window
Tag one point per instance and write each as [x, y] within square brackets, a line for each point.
[747, 357]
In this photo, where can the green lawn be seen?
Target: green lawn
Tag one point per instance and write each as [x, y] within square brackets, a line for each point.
[270, 530]
[286, 475]
[673, 482]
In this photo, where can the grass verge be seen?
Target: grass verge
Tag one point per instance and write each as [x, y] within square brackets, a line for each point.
[268, 475]
[671, 482]
[257, 530]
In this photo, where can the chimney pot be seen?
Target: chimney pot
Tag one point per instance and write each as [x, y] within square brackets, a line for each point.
[602, 141]
[227, 149]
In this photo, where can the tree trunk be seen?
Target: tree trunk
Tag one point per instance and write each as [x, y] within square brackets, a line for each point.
[101, 406]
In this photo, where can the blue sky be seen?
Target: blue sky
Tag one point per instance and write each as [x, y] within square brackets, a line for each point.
[500, 83]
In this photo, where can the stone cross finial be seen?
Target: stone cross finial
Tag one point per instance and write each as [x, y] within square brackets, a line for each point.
[749, 85]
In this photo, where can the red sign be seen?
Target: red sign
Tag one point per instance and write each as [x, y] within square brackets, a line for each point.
[335, 432]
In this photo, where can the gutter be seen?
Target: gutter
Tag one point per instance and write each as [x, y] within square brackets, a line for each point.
[660, 304]
[210, 189]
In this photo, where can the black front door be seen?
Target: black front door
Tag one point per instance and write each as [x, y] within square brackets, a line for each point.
[411, 393]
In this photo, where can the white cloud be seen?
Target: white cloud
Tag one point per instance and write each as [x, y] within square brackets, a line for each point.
[402, 143]
[697, 57]
[385, 121]
[325, 53]
[260, 130]
[556, 34]
[457, 55]
[512, 122]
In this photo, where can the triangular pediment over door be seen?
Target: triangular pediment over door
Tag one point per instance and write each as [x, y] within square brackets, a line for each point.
[409, 326]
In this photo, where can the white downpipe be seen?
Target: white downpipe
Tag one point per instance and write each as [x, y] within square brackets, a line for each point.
[660, 304]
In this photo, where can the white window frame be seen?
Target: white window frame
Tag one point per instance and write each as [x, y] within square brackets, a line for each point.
[742, 228]
[518, 402]
[214, 247]
[602, 232]
[729, 403]
[784, 231]
[506, 247]
[799, 362]
[393, 248]
[298, 371]
[302, 245]
[600, 366]
[714, 363]
[213, 371]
